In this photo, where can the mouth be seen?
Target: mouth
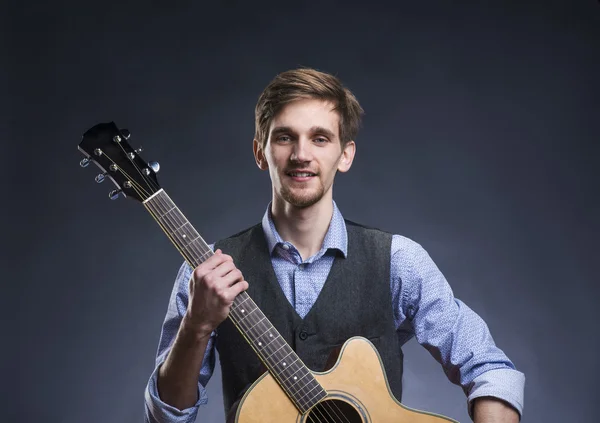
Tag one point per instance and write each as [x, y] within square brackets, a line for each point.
[301, 175]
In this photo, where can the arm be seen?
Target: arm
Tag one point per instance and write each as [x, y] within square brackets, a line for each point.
[453, 333]
[177, 381]
[176, 389]
[158, 409]
[493, 410]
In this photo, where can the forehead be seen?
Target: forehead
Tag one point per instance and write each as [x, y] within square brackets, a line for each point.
[302, 115]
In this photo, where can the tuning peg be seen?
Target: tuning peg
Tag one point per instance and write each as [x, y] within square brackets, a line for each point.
[100, 177]
[114, 194]
[139, 150]
[84, 162]
[125, 133]
[155, 166]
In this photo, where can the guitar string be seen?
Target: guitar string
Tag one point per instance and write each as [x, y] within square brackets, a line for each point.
[170, 234]
[167, 205]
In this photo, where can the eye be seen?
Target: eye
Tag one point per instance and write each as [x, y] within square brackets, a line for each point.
[283, 138]
[321, 140]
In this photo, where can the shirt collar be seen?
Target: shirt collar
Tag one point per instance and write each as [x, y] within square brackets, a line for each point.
[335, 238]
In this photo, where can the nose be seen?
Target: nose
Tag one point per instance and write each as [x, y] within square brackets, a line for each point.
[301, 151]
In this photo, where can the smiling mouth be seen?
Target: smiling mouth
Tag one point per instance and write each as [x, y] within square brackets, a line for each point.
[300, 174]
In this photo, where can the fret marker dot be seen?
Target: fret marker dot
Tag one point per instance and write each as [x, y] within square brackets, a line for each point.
[259, 344]
[184, 236]
[270, 335]
[243, 311]
[295, 377]
[284, 363]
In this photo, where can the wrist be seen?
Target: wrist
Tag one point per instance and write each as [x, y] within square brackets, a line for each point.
[199, 330]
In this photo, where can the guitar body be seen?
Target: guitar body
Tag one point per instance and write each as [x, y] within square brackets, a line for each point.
[356, 384]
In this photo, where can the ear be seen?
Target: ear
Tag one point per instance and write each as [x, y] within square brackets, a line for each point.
[347, 157]
[259, 155]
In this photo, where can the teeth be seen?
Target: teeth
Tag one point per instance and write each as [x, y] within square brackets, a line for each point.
[301, 174]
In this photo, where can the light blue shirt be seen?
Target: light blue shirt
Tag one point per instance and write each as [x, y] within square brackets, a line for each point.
[424, 307]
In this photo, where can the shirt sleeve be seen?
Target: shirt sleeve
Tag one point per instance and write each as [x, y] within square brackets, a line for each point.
[458, 338]
[158, 411]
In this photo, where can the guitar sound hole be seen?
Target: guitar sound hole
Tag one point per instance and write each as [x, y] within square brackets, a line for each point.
[333, 411]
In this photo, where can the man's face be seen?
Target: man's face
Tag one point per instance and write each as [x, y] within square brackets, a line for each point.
[303, 152]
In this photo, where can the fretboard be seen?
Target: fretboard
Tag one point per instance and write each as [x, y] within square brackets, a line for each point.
[272, 349]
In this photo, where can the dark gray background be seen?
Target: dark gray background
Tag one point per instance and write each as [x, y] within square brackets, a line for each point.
[480, 142]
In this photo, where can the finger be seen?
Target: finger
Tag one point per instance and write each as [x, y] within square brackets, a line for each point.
[232, 277]
[217, 258]
[211, 263]
[223, 269]
[237, 288]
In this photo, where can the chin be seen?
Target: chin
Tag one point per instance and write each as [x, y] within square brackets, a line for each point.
[301, 201]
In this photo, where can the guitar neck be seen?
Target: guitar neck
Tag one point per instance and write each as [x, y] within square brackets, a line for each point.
[272, 349]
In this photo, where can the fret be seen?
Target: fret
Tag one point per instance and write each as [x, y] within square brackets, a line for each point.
[273, 353]
[266, 341]
[248, 315]
[179, 229]
[236, 304]
[163, 214]
[263, 337]
[292, 369]
[316, 385]
[261, 320]
[284, 364]
[297, 378]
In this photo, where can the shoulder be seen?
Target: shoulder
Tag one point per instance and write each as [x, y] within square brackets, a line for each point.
[353, 227]
[400, 243]
[406, 245]
[352, 224]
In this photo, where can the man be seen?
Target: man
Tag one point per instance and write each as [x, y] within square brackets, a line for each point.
[306, 123]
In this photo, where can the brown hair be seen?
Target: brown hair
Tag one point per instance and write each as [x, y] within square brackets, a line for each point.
[306, 83]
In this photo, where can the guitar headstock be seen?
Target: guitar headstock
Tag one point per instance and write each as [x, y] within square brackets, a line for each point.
[107, 147]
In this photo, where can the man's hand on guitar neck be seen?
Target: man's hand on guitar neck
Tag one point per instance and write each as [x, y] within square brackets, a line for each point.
[493, 410]
[213, 287]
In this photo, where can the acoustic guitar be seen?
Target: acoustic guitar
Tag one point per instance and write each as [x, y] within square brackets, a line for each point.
[354, 390]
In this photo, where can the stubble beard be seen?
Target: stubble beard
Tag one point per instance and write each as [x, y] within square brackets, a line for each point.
[302, 198]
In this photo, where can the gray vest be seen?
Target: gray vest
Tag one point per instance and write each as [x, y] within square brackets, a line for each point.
[355, 300]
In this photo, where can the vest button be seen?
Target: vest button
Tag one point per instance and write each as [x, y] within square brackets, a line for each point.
[303, 335]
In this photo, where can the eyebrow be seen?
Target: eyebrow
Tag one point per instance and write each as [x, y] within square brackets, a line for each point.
[314, 130]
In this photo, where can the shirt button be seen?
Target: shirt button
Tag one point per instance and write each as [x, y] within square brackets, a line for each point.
[303, 335]
[286, 247]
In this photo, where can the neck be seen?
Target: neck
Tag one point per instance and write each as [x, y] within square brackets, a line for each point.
[304, 227]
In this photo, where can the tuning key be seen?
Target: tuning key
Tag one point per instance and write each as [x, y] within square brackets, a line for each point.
[84, 162]
[139, 150]
[155, 166]
[114, 194]
[100, 177]
[125, 133]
